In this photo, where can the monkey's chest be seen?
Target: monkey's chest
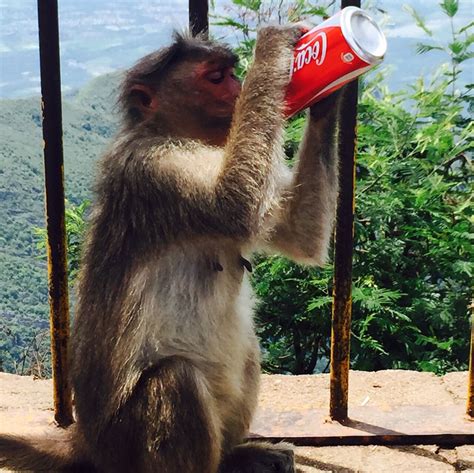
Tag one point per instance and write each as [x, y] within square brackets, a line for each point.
[198, 303]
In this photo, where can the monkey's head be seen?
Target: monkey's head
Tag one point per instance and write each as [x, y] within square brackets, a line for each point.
[188, 89]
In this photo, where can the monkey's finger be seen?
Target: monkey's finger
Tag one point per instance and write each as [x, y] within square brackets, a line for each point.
[304, 26]
[287, 35]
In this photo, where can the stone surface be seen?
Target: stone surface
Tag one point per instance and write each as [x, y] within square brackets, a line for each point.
[379, 388]
[456, 384]
[412, 459]
[26, 408]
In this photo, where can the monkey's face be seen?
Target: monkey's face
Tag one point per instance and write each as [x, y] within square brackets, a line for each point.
[215, 89]
[194, 96]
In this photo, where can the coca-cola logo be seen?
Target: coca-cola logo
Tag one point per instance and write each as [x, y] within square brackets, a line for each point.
[315, 51]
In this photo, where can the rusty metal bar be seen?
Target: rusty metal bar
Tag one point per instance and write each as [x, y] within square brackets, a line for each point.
[470, 382]
[55, 211]
[199, 17]
[344, 238]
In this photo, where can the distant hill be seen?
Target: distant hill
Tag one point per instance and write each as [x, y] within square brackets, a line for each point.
[88, 124]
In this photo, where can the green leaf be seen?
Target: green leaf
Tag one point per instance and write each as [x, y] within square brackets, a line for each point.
[253, 5]
[450, 7]
[319, 303]
[315, 11]
[466, 267]
[424, 48]
[457, 47]
[232, 23]
[420, 22]
[464, 205]
[463, 57]
[467, 27]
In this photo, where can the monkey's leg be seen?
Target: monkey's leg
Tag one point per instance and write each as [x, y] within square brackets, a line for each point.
[260, 457]
[236, 426]
[168, 425]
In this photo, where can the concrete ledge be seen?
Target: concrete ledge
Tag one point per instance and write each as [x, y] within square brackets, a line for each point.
[26, 408]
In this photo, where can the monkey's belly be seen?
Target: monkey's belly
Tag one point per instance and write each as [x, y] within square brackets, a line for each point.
[210, 323]
[214, 328]
[234, 381]
[195, 299]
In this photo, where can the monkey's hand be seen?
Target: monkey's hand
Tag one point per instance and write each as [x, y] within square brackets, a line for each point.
[273, 38]
[274, 49]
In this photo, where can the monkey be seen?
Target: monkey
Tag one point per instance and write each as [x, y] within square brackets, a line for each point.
[165, 362]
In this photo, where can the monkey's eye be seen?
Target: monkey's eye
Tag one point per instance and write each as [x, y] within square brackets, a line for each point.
[216, 77]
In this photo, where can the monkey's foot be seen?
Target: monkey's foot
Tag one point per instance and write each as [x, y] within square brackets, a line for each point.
[260, 458]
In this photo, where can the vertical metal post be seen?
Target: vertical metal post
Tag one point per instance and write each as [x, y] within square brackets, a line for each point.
[342, 293]
[55, 219]
[470, 387]
[199, 17]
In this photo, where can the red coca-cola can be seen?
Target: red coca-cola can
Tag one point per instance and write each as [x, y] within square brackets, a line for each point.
[333, 53]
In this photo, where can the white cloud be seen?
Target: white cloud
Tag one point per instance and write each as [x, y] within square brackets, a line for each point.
[29, 46]
[93, 68]
[4, 48]
[404, 31]
[99, 70]
[119, 27]
[98, 18]
[169, 22]
[74, 63]
[28, 91]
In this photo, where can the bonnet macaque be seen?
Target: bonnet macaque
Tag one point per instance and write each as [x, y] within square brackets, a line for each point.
[165, 360]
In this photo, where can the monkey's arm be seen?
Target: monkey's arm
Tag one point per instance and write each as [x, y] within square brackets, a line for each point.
[250, 171]
[306, 223]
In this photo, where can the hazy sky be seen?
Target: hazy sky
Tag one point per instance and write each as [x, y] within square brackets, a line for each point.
[99, 36]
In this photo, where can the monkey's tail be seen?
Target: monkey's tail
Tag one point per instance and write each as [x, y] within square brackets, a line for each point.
[55, 452]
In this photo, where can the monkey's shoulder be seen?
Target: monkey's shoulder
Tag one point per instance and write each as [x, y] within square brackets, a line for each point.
[192, 161]
[130, 150]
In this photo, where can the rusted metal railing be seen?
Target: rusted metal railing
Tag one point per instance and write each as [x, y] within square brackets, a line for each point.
[470, 386]
[55, 218]
[344, 240]
[342, 307]
[199, 17]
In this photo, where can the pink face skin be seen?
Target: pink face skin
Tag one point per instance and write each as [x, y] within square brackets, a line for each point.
[216, 89]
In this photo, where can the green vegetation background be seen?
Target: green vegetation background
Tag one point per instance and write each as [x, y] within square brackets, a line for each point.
[413, 260]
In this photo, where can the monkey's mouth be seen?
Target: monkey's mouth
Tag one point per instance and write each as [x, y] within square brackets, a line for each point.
[224, 113]
[223, 109]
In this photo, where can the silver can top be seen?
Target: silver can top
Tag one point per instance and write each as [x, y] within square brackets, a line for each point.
[363, 34]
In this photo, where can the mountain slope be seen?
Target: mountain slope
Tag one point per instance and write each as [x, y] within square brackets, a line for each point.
[88, 124]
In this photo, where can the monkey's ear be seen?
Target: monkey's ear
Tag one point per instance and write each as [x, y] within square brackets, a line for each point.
[144, 98]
